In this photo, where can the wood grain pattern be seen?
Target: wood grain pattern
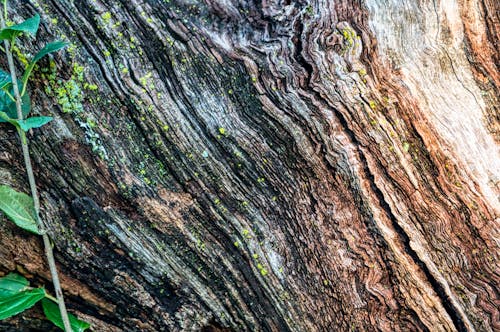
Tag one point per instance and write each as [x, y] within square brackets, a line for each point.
[267, 166]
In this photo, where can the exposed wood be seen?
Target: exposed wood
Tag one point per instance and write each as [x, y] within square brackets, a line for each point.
[266, 166]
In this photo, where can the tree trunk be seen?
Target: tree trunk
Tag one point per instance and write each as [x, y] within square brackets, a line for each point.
[265, 165]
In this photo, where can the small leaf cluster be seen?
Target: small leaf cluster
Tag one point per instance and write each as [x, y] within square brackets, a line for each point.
[16, 296]
[15, 293]
[19, 208]
[8, 111]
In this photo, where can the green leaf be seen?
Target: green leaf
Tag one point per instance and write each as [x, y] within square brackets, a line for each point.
[49, 48]
[53, 314]
[5, 80]
[26, 103]
[14, 304]
[34, 122]
[29, 26]
[11, 284]
[7, 105]
[19, 208]
[5, 118]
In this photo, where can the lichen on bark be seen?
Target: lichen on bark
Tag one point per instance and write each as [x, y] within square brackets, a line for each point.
[271, 166]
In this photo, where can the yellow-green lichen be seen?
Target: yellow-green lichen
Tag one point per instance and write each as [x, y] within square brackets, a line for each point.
[262, 269]
[144, 79]
[92, 123]
[91, 87]
[123, 69]
[349, 36]
[20, 55]
[69, 96]
[246, 234]
[106, 17]
[309, 10]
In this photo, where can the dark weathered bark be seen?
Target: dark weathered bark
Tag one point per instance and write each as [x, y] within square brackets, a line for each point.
[267, 166]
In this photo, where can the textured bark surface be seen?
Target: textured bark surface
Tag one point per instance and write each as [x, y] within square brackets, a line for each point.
[266, 165]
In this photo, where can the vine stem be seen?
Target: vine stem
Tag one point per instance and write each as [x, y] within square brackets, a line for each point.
[34, 192]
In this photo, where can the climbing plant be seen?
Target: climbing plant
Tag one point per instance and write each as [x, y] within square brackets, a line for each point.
[16, 296]
[15, 105]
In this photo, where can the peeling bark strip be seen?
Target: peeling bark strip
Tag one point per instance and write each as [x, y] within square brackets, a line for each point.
[268, 165]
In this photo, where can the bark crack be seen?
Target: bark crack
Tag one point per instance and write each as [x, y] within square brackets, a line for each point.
[438, 288]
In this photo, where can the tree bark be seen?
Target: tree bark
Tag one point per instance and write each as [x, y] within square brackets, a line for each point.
[265, 165]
